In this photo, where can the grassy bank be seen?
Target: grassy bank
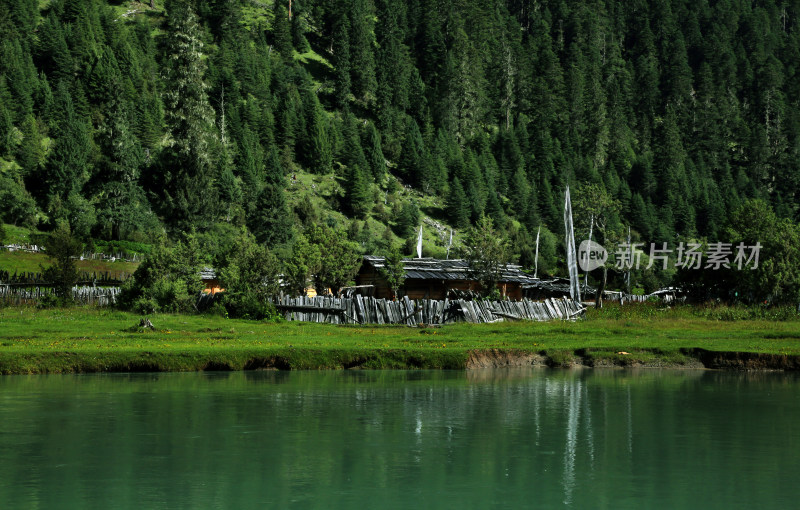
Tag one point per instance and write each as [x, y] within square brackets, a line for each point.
[92, 340]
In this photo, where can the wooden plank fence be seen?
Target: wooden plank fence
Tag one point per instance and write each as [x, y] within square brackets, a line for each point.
[98, 296]
[370, 310]
[85, 278]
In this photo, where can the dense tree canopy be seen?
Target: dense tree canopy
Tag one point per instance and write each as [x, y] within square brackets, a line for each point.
[124, 122]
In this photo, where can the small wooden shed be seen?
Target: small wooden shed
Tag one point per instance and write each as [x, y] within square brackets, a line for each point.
[429, 278]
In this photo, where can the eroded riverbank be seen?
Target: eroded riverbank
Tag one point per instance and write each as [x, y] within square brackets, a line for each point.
[340, 359]
[80, 340]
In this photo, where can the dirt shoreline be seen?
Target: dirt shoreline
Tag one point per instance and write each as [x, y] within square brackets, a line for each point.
[689, 359]
[399, 359]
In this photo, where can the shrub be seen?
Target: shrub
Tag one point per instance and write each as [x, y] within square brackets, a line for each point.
[168, 280]
[62, 249]
[249, 273]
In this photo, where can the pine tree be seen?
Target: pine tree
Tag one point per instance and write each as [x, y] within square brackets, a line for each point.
[250, 160]
[281, 31]
[375, 157]
[407, 219]
[6, 132]
[273, 170]
[271, 222]
[412, 153]
[519, 193]
[357, 191]
[318, 152]
[361, 42]
[68, 166]
[53, 55]
[393, 65]
[19, 79]
[30, 153]
[456, 206]
[122, 202]
[105, 78]
[188, 164]
[352, 152]
[341, 59]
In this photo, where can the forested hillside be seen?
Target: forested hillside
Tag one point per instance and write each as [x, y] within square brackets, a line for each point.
[126, 119]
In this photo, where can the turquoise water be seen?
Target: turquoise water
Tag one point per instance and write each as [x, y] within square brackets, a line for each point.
[532, 438]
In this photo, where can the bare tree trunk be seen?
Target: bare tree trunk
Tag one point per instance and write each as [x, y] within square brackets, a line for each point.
[598, 300]
[290, 10]
[152, 4]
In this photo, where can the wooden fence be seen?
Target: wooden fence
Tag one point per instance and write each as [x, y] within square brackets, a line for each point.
[25, 295]
[370, 310]
[85, 278]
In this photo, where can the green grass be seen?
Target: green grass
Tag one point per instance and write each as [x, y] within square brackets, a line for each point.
[25, 262]
[19, 235]
[89, 340]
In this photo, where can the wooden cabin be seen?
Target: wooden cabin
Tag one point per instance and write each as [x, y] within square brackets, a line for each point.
[428, 278]
[210, 280]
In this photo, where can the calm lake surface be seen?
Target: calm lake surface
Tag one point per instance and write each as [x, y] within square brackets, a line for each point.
[532, 438]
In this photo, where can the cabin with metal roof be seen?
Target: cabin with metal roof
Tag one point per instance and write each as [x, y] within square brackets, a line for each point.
[429, 278]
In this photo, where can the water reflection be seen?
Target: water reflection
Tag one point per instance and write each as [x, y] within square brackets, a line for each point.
[479, 439]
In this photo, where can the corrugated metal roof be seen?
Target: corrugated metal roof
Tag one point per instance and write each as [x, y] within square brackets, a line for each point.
[454, 269]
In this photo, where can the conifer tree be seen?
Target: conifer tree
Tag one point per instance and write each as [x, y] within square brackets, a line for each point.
[393, 71]
[122, 203]
[519, 193]
[30, 153]
[318, 147]
[271, 222]
[352, 152]
[357, 191]
[281, 31]
[341, 59]
[250, 161]
[363, 60]
[412, 153]
[188, 164]
[68, 166]
[6, 132]
[456, 205]
[375, 158]
[273, 170]
[53, 55]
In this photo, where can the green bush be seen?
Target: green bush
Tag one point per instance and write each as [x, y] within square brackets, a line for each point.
[144, 306]
[249, 306]
[167, 281]
[62, 248]
[249, 273]
[18, 207]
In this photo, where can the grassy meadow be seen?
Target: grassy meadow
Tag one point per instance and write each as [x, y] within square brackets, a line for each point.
[90, 340]
[28, 262]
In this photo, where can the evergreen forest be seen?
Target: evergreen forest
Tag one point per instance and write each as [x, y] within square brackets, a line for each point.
[204, 122]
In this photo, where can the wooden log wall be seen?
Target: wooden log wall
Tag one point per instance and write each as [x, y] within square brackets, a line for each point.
[370, 310]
